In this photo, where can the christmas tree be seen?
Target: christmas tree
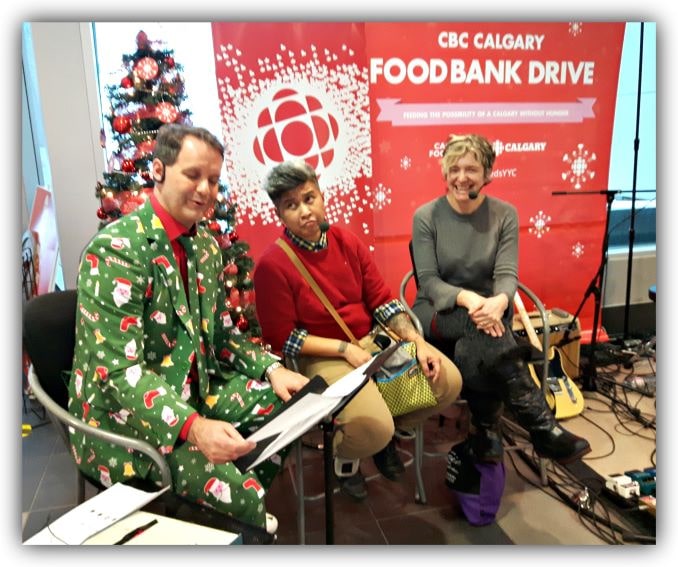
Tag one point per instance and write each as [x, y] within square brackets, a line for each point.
[238, 266]
[150, 94]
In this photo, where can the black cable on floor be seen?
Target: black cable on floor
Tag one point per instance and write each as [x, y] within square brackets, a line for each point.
[623, 408]
[584, 499]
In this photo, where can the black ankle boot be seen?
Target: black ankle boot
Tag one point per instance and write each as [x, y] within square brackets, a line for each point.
[485, 438]
[388, 462]
[526, 401]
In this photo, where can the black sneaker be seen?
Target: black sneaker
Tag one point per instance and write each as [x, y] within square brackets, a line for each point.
[388, 462]
[353, 486]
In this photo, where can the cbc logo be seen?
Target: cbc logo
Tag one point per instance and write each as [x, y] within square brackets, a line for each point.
[295, 126]
[498, 147]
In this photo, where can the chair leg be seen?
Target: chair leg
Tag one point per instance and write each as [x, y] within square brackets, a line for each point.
[79, 487]
[299, 474]
[420, 491]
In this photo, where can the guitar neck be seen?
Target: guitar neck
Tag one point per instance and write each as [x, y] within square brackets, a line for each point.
[527, 323]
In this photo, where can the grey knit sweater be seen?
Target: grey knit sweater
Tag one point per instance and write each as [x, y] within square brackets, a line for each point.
[452, 251]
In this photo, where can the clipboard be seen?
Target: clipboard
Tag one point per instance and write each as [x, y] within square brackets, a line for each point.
[315, 402]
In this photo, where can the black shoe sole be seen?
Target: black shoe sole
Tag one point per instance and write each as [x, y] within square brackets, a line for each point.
[569, 459]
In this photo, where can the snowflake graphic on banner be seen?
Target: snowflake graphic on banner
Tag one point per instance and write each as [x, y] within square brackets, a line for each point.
[539, 224]
[406, 162]
[579, 162]
[575, 28]
[577, 249]
[381, 197]
[300, 104]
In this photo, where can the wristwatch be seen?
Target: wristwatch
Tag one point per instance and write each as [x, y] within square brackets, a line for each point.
[272, 368]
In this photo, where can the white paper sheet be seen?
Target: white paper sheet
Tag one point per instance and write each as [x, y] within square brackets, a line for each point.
[94, 515]
[306, 413]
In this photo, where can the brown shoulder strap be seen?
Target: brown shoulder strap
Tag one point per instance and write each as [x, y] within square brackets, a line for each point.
[314, 286]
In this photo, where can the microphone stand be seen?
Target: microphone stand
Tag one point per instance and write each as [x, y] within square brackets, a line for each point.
[589, 373]
[632, 231]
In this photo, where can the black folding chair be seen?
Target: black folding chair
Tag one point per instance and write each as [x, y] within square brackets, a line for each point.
[49, 339]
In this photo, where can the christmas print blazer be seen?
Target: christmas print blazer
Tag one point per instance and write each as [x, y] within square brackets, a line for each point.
[136, 339]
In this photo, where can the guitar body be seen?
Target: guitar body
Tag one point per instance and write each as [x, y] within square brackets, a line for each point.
[564, 398]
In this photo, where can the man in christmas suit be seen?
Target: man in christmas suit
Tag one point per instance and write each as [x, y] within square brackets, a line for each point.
[157, 358]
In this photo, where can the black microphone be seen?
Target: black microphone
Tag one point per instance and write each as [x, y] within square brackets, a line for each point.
[324, 226]
[473, 195]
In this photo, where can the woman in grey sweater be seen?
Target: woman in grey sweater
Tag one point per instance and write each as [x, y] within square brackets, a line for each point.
[465, 251]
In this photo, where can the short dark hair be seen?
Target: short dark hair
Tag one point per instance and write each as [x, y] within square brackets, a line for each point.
[286, 176]
[170, 138]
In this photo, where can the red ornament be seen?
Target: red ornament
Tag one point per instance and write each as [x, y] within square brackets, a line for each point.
[146, 175]
[126, 83]
[128, 166]
[233, 236]
[234, 297]
[146, 147]
[147, 68]
[109, 204]
[223, 241]
[213, 226]
[166, 112]
[231, 269]
[169, 61]
[242, 323]
[248, 297]
[122, 124]
[101, 213]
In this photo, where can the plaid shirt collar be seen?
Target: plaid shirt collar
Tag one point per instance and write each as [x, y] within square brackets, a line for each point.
[305, 244]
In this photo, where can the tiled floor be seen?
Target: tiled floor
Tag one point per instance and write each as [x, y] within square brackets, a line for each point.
[529, 513]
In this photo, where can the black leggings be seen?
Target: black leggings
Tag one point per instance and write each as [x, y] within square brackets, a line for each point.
[474, 350]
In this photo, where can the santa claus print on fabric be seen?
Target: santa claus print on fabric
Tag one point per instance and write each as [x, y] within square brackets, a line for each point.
[122, 291]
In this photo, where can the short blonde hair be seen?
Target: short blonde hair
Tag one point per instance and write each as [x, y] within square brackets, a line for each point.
[458, 146]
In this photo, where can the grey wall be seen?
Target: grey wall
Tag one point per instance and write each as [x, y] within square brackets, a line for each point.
[66, 91]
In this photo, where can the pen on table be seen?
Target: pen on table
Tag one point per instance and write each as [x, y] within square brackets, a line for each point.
[135, 532]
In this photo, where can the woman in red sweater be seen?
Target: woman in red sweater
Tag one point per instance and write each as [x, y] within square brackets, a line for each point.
[295, 322]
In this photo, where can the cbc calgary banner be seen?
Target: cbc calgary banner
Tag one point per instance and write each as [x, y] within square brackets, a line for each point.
[370, 106]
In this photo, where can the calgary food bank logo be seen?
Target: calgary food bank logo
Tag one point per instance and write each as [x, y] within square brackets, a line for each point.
[307, 104]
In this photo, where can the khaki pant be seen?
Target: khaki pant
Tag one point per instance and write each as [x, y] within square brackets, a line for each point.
[365, 425]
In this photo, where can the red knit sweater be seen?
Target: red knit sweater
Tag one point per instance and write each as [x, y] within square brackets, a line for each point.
[345, 271]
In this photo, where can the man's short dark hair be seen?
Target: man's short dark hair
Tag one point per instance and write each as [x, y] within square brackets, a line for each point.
[170, 138]
[286, 176]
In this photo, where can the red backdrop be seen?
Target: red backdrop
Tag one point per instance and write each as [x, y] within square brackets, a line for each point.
[370, 104]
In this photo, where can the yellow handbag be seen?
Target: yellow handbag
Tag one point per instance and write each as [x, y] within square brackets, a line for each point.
[402, 383]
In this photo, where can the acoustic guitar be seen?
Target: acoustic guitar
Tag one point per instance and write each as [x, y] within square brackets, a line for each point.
[563, 397]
